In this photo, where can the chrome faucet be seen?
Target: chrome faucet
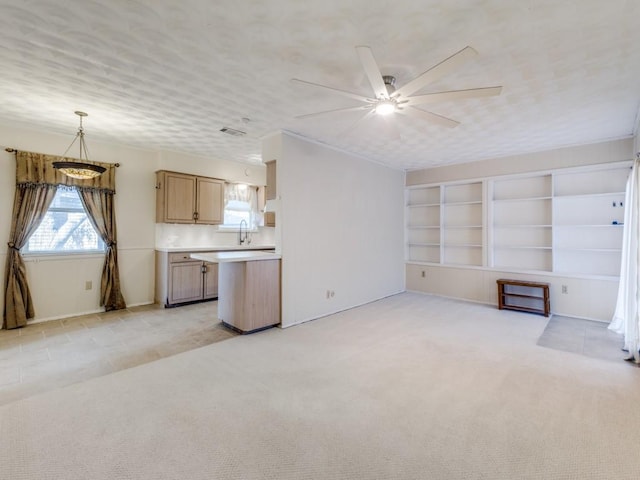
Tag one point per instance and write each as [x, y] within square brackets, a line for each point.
[245, 238]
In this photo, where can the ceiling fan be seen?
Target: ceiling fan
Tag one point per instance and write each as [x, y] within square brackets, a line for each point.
[388, 99]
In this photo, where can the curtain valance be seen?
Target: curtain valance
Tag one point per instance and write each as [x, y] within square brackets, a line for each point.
[37, 169]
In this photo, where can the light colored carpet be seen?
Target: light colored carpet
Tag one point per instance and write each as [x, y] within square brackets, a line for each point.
[409, 387]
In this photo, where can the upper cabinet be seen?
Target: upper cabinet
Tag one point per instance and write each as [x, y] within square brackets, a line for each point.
[209, 201]
[271, 189]
[270, 192]
[182, 198]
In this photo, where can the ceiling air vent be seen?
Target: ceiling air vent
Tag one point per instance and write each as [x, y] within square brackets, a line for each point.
[232, 131]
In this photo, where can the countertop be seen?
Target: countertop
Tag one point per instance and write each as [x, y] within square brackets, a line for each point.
[221, 248]
[226, 257]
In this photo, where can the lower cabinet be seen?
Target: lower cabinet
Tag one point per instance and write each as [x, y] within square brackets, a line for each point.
[181, 279]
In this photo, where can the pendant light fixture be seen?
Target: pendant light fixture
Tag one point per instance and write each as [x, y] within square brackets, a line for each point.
[79, 170]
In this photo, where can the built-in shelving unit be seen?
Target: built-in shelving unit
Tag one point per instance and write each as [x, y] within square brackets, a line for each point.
[588, 212]
[444, 224]
[462, 224]
[522, 223]
[423, 224]
[568, 221]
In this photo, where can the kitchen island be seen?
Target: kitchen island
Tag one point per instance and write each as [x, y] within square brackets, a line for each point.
[181, 280]
[248, 288]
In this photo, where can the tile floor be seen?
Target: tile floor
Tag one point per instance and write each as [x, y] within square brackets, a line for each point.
[585, 337]
[52, 354]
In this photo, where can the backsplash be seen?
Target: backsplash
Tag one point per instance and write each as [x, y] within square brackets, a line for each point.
[169, 235]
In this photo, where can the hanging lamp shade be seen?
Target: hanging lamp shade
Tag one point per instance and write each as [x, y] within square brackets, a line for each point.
[81, 170]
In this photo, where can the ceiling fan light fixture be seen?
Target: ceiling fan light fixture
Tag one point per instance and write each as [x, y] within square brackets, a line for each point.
[80, 170]
[385, 107]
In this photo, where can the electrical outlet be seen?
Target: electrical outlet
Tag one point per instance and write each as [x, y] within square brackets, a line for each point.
[422, 274]
[88, 285]
[565, 289]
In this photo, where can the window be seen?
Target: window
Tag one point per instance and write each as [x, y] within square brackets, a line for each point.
[240, 203]
[65, 228]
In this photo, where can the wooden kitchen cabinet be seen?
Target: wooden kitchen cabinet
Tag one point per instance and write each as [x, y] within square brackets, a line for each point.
[209, 201]
[270, 192]
[210, 279]
[249, 294]
[181, 279]
[271, 189]
[183, 198]
[185, 282]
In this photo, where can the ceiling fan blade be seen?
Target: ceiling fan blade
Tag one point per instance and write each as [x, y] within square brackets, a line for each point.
[335, 90]
[454, 95]
[428, 116]
[347, 109]
[434, 73]
[373, 72]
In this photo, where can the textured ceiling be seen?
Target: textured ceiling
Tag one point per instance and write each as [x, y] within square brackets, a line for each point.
[168, 75]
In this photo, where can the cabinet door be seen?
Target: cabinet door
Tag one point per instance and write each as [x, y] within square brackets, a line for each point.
[179, 194]
[185, 282]
[271, 190]
[210, 201]
[210, 280]
[269, 219]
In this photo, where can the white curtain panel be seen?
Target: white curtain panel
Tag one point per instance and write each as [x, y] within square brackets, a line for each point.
[626, 319]
[241, 201]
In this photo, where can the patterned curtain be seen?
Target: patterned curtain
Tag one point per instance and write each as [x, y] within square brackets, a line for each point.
[99, 206]
[30, 204]
[36, 184]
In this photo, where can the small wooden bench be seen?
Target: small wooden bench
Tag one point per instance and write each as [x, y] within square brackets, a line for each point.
[532, 297]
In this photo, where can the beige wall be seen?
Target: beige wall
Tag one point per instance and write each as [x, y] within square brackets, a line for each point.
[586, 298]
[58, 282]
[341, 224]
[582, 155]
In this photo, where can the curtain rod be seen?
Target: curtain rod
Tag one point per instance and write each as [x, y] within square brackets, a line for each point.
[13, 150]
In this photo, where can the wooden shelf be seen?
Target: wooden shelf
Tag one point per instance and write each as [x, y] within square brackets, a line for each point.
[590, 195]
[531, 297]
[520, 199]
[474, 202]
[522, 247]
[412, 205]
